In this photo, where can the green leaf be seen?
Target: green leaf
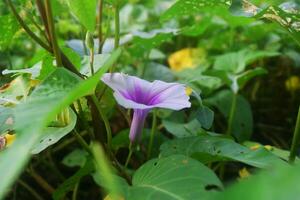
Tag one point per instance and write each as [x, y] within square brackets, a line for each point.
[115, 185]
[196, 29]
[99, 60]
[85, 12]
[209, 149]
[73, 56]
[243, 120]
[58, 91]
[145, 41]
[9, 26]
[286, 15]
[205, 116]
[76, 158]
[189, 7]
[281, 182]
[199, 82]
[175, 177]
[52, 135]
[34, 71]
[47, 67]
[180, 130]
[246, 76]
[70, 183]
[155, 71]
[236, 62]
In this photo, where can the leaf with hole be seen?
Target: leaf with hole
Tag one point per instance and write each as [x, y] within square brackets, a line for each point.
[174, 177]
[209, 149]
[52, 135]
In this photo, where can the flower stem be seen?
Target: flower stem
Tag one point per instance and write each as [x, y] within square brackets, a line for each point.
[41, 181]
[117, 25]
[296, 139]
[100, 32]
[53, 39]
[92, 61]
[153, 130]
[31, 190]
[129, 154]
[82, 142]
[231, 114]
[74, 195]
[105, 120]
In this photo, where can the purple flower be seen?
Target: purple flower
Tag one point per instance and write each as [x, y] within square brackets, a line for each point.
[142, 96]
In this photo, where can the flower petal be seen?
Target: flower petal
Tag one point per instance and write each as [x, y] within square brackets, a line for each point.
[136, 93]
[130, 87]
[169, 95]
[128, 103]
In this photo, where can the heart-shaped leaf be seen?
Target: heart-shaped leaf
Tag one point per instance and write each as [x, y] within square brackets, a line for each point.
[214, 148]
[175, 177]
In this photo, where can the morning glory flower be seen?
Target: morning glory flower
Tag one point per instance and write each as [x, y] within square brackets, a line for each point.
[140, 95]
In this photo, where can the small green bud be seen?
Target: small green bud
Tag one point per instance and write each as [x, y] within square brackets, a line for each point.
[89, 40]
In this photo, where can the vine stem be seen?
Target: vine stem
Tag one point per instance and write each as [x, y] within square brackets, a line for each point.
[53, 39]
[26, 28]
[92, 61]
[153, 130]
[82, 142]
[41, 181]
[117, 25]
[129, 154]
[105, 120]
[117, 30]
[31, 190]
[100, 32]
[296, 139]
[231, 114]
[74, 195]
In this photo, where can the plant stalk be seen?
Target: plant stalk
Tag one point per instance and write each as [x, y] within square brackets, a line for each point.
[117, 26]
[153, 130]
[129, 154]
[105, 120]
[82, 142]
[92, 61]
[53, 38]
[31, 190]
[100, 31]
[231, 114]
[296, 139]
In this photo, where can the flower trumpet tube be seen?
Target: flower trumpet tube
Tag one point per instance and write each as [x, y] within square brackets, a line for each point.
[140, 95]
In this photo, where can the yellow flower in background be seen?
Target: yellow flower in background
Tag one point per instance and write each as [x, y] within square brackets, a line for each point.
[6, 140]
[244, 173]
[292, 83]
[187, 58]
[9, 139]
[188, 91]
